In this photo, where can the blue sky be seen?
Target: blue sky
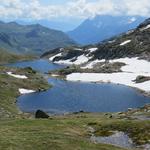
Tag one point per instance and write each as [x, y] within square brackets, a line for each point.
[73, 11]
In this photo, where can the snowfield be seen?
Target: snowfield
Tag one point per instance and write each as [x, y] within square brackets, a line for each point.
[17, 76]
[134, 65]
[133, 68]
[25, 91]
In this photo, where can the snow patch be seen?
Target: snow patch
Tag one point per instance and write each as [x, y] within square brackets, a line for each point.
[134, 65]
[25, 91]
[54, 75]
[145, 28]
[90, 65]
[125, 42]
[129, 32]
[17, 76]
[79, 60]
[78, 49]
[53, 57]
[93, 49]
[112, 41]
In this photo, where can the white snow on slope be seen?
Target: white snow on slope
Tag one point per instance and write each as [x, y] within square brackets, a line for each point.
[145, 28]
[17, 76]
[79, 60]
[125, 42]
[112, 41]
[51, 58]
[25, 91]
[91, 64]
[129, 32]
[133, 69]
[134, 65]
[93, 49]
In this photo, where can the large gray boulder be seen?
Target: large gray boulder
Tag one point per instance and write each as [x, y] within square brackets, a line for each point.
[41, 114]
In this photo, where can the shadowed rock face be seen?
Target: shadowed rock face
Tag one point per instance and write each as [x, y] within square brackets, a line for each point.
[41, 114]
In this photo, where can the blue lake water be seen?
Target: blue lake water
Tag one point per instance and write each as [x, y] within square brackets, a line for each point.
[41, 65]
[66, 96]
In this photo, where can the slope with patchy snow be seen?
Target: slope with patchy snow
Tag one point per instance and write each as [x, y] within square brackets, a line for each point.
[131, 48]
[133, 68]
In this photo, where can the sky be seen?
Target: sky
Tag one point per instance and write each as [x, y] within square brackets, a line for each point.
[77, 9]
[74, 11]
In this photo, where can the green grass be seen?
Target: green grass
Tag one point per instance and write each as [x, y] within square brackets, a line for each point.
[9, 88]
[59, 133]
[68, 132]
[7, 57]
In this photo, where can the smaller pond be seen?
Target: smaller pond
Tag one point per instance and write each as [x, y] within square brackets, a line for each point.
[119, 139]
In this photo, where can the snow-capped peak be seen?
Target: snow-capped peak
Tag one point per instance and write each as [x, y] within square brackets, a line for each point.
[133, 19]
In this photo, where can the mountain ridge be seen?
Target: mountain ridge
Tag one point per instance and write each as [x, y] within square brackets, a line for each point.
[134, 43]
[103, 27]
[34, 39]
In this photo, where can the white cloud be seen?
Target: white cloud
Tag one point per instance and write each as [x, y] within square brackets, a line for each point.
[33, 9]
[137, 7]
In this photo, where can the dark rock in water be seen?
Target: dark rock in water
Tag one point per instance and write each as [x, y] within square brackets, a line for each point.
[41, 114]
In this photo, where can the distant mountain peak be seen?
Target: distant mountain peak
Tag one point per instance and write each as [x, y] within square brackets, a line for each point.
[12, 23]
[102, 27]
[131, 20]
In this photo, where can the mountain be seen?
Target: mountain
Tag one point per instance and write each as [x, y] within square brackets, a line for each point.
[103, 27]
[63, 25]
[134, 43]
[34, 39]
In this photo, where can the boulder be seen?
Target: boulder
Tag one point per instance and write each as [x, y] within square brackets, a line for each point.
[41, 114]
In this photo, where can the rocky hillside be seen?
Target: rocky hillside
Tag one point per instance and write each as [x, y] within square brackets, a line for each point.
[130, 44]
[34, 39]
[103, 27]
